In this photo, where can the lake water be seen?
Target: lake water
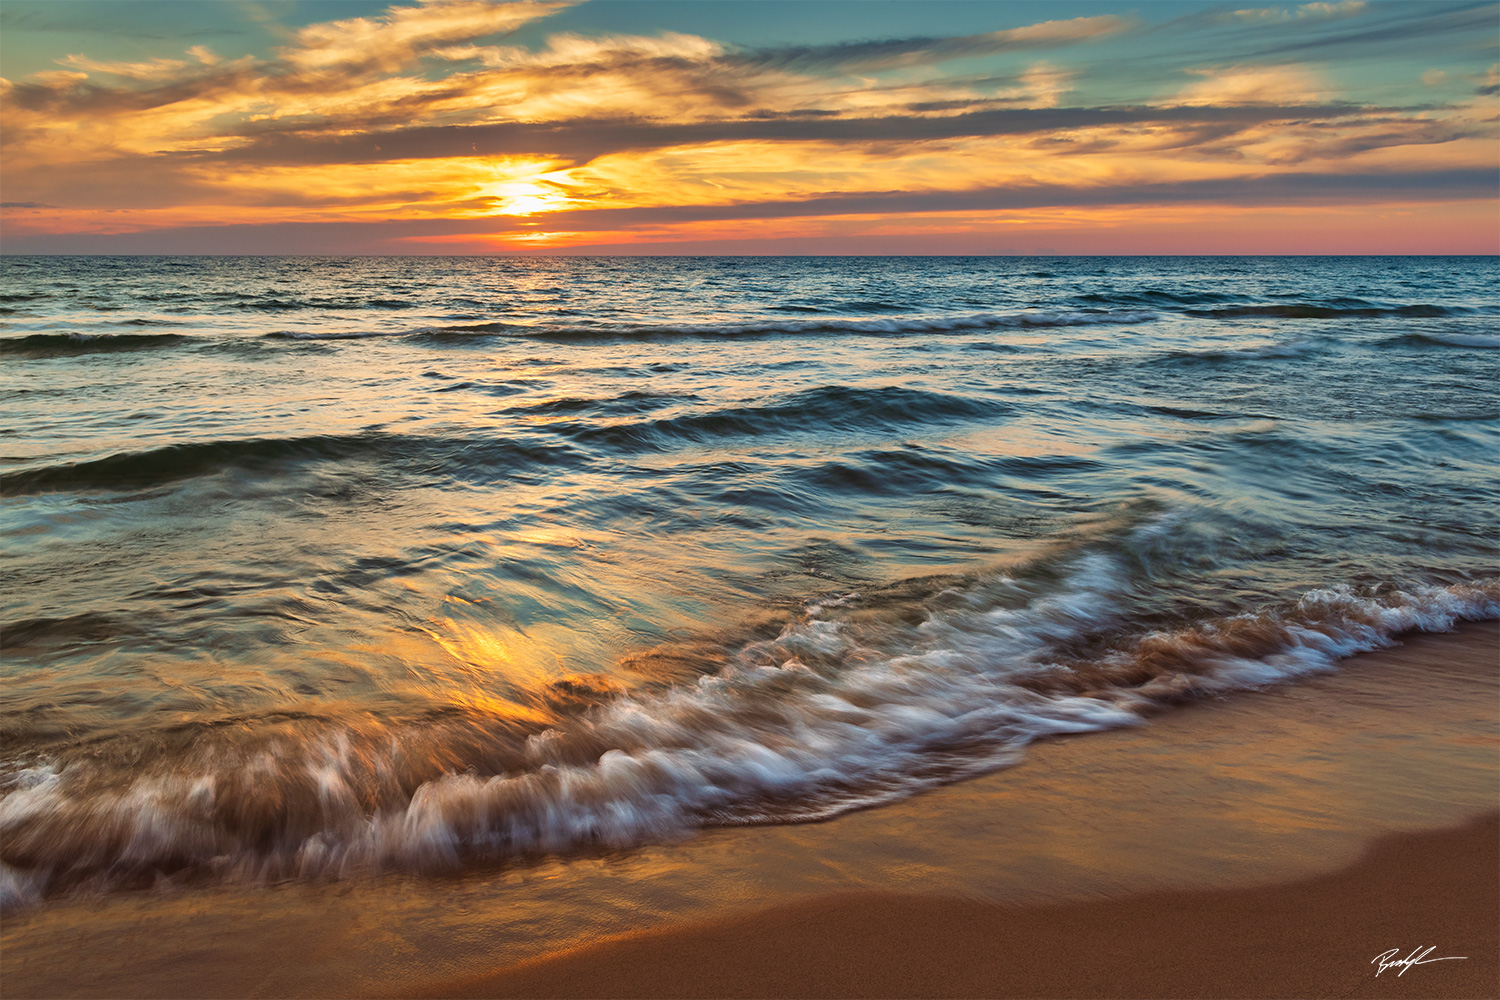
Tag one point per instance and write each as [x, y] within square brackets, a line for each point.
[324, 567]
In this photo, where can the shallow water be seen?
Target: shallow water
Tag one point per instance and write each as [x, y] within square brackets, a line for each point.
[325, 566]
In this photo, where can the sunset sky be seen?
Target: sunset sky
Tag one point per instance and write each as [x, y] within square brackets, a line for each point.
[468, 126]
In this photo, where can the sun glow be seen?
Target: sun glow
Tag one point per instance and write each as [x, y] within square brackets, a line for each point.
[523, 198]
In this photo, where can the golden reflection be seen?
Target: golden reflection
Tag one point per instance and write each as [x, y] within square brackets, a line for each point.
[473, 646]
[490, 660]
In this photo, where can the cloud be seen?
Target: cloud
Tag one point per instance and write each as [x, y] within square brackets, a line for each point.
[1491, 84]
[674, 75]
[1265, 189]
[1315, 11]
[154, 69]
[586, 138]
[890, 53]
[1395, 28]
[1299, 145]
[573, 50]
[57, 79]
[1238, 85]
[404, 34]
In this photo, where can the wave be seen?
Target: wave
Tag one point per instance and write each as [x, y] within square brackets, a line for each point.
[855, 703]
[24, 635]
[868, 326]
[77, 343]
[1351, 309]
[332, 334]
[1159, 298]
[134, 470]
[50, 345]
[810, 411]
[1291, 349]
[628, 402]
[875, 326]
[1488, 341]
[456, 330]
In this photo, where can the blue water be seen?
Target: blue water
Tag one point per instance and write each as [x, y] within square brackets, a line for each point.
[323, 565]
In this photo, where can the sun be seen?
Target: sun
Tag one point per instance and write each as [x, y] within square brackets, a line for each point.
[525, 196]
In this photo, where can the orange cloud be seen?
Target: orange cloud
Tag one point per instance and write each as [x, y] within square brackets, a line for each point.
[405, 34]
[1254, 85]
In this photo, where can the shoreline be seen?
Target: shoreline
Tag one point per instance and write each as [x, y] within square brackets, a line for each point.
[1280, 909]
[1163, 828]
[1318, 937]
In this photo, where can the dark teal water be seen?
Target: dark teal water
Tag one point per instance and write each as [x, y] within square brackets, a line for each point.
[316, 566]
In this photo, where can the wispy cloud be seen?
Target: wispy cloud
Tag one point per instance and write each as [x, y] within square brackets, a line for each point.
[405, 34]
[1302, 12]
[1237, 85]
[888, 53]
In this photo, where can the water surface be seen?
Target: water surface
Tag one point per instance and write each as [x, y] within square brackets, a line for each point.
[324, 566]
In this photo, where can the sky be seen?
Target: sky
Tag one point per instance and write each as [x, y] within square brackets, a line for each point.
[700, 127]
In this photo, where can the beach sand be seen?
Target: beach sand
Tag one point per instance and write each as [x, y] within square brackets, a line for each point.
[1271, 843]
[1313, 938]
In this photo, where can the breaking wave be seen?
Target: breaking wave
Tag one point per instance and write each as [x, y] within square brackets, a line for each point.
[855, 703]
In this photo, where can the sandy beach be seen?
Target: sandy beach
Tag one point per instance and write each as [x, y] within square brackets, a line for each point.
[1314, 938]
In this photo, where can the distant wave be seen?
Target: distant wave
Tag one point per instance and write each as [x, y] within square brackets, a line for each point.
[47, 345]
[1488, 341]
[1310, 310]
[267, 303]
[867, 326]
[139, 469]
[813, 411]
[1291, 349]
[629, 402]
[332, 334]
[1159, 298]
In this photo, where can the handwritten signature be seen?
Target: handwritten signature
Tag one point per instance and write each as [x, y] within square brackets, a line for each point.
[1387, 959]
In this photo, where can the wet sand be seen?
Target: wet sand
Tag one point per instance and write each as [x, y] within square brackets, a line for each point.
[1187, 857]
[1314, 938]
